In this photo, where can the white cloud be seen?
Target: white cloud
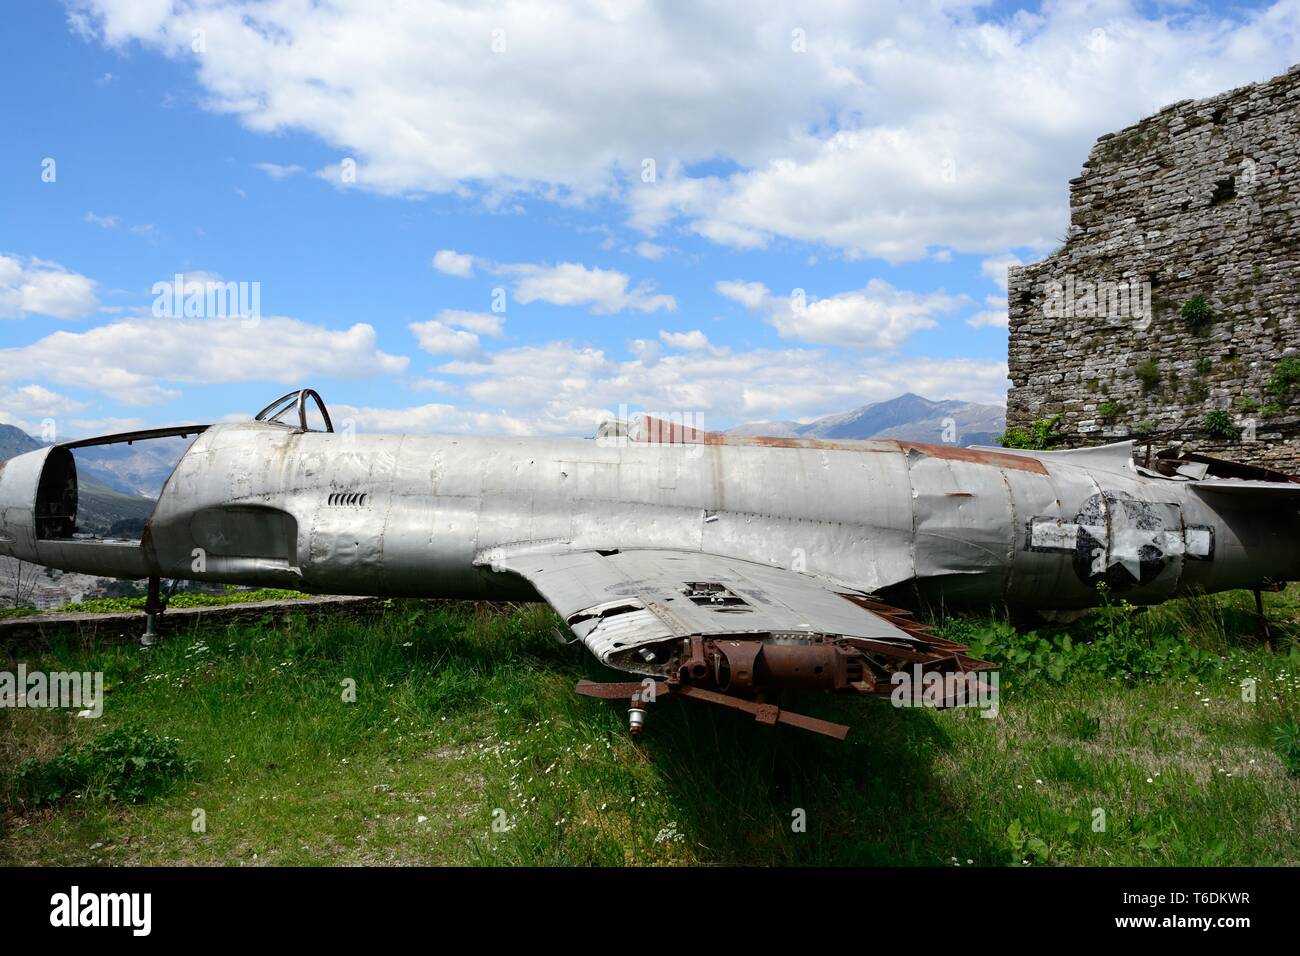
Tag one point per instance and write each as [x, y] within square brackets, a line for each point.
[490, 324]
[993, 317]
[691, 341]
[440, 418]
[604, 291]
[902, 128]
[454, 333]
[439, 338]
[27, 406]
[35, 286]
[751, 295]
[650, 250]
[137, 360]
[877, 317]
[453, 263]
[146, 230]
[115, 425]
[279, 170]
[553, 388]
[995, 268]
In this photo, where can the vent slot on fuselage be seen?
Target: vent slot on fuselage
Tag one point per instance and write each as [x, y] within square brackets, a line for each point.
[348, 499]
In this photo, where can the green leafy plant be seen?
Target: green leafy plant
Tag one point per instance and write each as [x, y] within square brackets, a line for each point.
[1148, 373]
[1117, 641]
[1271, 409]
[1204, 365]
[1219, 424]
[1248, 405]
[1286, 740]
[1144, 428]
[1196, 312]
[1108, 408]
[126, 764]
[1285, 375]
[1026, 849]
[1039, 436]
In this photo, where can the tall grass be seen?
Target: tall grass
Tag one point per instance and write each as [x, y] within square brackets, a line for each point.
[465, 744]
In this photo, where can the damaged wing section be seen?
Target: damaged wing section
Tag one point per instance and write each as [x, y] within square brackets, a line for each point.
[712, 625]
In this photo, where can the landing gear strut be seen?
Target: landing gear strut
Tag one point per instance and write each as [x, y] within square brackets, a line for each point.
[153, 610]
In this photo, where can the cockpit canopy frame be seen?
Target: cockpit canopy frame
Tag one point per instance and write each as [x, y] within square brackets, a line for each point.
[293, 405]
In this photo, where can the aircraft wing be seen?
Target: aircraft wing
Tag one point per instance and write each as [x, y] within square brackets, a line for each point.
[1263, 491]
[628, 607]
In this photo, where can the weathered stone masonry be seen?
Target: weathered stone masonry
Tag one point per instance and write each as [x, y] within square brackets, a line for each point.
[1200, 199]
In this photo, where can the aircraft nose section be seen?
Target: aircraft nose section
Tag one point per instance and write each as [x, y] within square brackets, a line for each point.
[20, 479]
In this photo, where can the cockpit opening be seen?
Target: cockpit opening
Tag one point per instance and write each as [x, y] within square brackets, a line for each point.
[106, 488]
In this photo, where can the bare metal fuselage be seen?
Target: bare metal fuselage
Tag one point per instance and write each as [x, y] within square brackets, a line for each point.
[405, 515]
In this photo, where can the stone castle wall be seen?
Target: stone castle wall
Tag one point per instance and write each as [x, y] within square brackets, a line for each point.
[1201, 200]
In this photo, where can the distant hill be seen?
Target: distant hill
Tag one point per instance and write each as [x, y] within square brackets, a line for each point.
[139, 469]
[909, 417]
[100, 503]
[15, 441]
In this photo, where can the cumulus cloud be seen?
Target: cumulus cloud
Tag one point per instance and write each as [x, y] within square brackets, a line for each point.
[136, 361]
[691, 341]
[554, 388]
[604, 291]
[27, 406]
[994, 316]
[456, 333]
[439, 338]
[878, 316]
[893, 129]
[995, 268]
[453, 263]
[490, 324]
[34, 286]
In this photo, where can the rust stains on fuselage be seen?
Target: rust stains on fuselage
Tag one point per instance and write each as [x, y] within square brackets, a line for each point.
[657, 430]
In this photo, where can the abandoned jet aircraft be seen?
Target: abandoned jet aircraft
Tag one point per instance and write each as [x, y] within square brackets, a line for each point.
[710, 566]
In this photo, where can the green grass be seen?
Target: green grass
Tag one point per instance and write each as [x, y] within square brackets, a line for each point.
[464, 715]
[181, 599]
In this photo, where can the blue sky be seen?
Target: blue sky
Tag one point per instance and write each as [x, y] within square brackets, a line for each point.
[888, 162]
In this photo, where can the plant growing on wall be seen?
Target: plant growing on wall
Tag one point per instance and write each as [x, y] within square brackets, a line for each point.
[1039, 436]
[1108, 409]
[1219, 424]
[1148, 373]
[1196, 312]
[1285, 374]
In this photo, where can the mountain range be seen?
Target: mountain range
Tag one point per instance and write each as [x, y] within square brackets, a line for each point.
[909, 417]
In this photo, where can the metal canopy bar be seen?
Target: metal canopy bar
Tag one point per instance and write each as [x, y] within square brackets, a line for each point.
[175, 431]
